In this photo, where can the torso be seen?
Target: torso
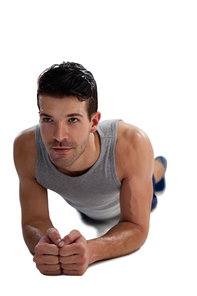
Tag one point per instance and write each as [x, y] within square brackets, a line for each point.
[123, 149]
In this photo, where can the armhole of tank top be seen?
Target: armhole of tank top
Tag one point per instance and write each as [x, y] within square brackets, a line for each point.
[37, 152]
[114, 172]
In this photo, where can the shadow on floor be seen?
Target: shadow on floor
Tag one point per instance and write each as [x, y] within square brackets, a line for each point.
[101, 226]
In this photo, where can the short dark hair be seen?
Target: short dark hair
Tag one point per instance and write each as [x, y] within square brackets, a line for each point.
[69, 79]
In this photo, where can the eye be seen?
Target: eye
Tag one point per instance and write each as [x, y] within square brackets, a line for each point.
[47, 119]
[73, 120]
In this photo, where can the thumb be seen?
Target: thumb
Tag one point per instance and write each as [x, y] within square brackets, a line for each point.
[71, 237]
[54, 236]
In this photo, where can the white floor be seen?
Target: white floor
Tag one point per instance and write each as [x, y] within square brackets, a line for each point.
[143, 56]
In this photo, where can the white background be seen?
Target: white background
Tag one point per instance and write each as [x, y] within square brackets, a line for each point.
[143, 55]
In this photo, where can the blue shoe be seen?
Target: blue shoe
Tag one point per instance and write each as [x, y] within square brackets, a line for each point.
[154, 202]
[160, 186]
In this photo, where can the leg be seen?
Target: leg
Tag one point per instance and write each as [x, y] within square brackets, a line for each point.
[160, 166]
[158, 170]
[154, 200]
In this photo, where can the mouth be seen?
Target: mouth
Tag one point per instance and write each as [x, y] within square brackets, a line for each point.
[62, 150]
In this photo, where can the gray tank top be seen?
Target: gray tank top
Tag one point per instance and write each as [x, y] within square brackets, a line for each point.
[95, 193]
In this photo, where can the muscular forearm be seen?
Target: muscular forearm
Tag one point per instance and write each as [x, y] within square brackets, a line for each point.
[122, 239]
[33, 232]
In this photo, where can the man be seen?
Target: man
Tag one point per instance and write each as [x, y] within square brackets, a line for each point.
[103, 169]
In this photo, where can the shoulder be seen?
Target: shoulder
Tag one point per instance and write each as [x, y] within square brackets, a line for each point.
[25, 151]
[133, 149]
[25, 140]
[131, 136]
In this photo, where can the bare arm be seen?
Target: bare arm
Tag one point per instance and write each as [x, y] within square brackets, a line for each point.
[135, 161]
[33, 197]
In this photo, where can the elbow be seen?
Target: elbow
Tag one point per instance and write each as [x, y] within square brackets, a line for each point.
[142, 235]
[139, 235]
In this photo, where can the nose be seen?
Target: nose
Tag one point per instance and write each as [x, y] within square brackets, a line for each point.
[60, 132]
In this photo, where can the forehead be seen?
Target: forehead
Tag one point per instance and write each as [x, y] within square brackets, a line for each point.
[63, 105]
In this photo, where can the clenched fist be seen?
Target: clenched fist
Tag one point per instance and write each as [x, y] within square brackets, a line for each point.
[74, 258]
[69, 255]
[47, 253]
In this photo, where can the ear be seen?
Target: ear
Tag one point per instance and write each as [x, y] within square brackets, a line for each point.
[95, 121]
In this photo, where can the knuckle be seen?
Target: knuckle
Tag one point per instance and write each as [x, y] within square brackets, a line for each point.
[38, 249]
[39, 267]
[35, 259]
[84, 258]
[76, 232]
[50, 230]
[81, 248]
[54, 234]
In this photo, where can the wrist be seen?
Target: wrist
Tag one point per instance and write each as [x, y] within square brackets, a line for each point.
[91, 251]
[96, 249]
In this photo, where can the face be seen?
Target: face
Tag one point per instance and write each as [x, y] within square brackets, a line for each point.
[65, 129]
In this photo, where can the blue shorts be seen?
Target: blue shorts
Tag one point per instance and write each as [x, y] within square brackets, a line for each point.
[154, 200]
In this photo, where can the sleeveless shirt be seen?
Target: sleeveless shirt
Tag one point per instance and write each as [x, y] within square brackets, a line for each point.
[95, 193]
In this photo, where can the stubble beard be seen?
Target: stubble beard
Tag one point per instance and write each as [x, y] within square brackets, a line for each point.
[66, 160]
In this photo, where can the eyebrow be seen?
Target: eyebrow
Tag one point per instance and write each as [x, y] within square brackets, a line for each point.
[44, 114]
[69, 115]
[74, 114]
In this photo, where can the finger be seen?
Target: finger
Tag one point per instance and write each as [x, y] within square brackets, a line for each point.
[58, 272]
[46, 259]
[74, 270]
[68, 250]
[72, 249]
[43, 248]
[71, 237]
[54, 236]
[77, 247]
[69, 260]
[49, 269]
